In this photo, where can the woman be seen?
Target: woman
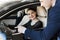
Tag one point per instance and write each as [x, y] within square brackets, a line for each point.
[34, 23]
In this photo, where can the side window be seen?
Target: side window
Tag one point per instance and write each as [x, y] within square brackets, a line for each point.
[10, 19]
[14, 18]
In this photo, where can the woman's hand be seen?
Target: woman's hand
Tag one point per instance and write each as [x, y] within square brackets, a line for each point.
[21, 29]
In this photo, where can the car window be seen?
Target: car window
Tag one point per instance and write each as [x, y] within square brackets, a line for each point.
[11, 18]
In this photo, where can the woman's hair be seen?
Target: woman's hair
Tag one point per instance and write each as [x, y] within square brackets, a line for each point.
[33, 9]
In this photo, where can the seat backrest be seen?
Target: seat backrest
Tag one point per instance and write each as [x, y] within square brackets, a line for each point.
[42, 15]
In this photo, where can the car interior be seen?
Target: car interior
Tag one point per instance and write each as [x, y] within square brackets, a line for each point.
[19, 17]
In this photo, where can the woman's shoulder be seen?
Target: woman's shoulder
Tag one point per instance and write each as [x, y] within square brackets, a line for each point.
[39, 21]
